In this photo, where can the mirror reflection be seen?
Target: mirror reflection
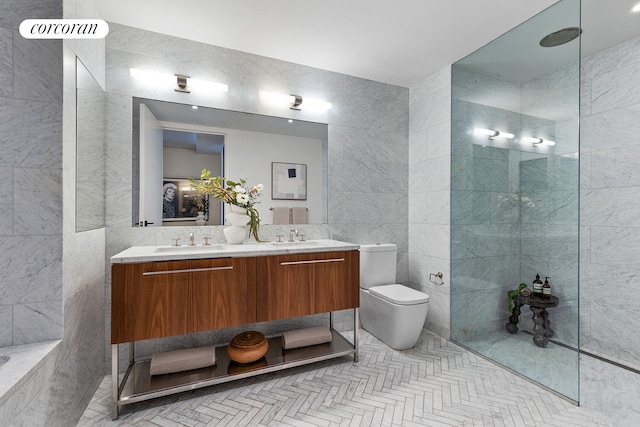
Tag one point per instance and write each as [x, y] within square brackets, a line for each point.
[90, 151]
[174, 142]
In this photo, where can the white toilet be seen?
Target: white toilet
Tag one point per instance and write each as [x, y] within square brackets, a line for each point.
[393, 313]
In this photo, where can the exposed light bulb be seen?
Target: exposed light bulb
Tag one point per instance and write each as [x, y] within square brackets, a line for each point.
[635, 9]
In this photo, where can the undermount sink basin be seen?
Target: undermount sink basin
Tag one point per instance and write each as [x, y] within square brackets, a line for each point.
[203, 248]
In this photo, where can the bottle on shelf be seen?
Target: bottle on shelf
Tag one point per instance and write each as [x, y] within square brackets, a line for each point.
[546, 288]
[537, 285]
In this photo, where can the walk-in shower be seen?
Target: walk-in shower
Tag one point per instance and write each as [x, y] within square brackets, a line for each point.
[514, 199]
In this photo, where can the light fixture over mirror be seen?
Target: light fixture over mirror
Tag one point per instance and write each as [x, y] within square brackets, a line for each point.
[228, 143]
[492, 134]
[179, 82]
[295, 101]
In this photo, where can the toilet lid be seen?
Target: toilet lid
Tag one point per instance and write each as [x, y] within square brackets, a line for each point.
[399, 294]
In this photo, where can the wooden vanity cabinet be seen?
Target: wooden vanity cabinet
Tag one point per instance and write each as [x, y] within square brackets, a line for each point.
[302, 284]
[147, 302]
[159, 299]
[162, 298]
[223, 292]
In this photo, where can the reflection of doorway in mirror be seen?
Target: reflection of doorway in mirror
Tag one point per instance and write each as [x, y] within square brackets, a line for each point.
[185, 154]
[289, 181]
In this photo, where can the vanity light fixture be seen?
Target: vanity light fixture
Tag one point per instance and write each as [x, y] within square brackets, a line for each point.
[492, 134]
[538, 141]
[316, 104]
[182, 82]
[635, 9]
[294, 101]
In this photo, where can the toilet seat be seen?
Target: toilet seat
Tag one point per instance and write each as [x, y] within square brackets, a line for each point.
[399, 294]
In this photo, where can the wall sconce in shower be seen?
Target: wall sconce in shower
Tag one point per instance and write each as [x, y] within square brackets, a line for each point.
[493, 134]
[180, 82]
[294, 101]
[537, 141]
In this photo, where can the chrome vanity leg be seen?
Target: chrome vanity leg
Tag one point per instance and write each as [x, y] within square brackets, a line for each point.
[356, 326]
[132, 352]
[114, 381]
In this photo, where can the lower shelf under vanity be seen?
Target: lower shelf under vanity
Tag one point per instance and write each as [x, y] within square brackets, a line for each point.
[139, 385]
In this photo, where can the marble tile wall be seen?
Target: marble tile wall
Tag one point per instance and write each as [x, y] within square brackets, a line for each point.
[367, 150]
[55, 276]
[609, 204]
[31, 169]
[429, 188]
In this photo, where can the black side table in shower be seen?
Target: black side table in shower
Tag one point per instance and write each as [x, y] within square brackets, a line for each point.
[541, 324]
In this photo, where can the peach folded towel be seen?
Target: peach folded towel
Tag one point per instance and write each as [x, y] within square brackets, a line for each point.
[299, 215]
[280, 215]
[182, 360]
[306, 337]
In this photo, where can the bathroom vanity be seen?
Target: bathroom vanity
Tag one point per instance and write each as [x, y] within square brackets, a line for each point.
[160, 291]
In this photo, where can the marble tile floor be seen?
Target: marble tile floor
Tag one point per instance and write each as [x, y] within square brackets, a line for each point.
[554, 366]
[437, 383]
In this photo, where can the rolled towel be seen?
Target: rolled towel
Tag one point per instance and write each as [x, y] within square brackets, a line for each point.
[305, 337]
[299, 215]
[280, 215]
[182, 360]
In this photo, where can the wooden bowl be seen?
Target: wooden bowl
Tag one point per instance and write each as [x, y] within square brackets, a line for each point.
[247, 347]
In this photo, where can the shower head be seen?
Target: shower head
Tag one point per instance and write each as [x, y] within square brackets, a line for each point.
[560, 37]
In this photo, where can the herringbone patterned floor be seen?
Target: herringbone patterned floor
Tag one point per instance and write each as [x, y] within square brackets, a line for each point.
[436, 383]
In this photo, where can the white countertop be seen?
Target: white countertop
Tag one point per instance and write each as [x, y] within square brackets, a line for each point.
[220, 250]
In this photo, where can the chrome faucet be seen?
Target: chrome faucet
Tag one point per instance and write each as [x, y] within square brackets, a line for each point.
[291, 233]
[192, 239]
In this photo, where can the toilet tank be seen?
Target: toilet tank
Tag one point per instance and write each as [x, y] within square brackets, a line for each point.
[377, 264]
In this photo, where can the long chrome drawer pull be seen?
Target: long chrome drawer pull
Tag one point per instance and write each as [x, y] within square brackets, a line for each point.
[188, 270]
[313, 261]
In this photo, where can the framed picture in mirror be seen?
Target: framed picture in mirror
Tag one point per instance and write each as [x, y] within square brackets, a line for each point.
[180, 202]
[288, 181]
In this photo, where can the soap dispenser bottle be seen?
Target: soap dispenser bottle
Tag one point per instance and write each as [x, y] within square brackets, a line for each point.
[546, 288]
[537, 285]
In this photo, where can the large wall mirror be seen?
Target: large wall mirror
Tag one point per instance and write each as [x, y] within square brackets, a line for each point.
[90, 151]
[173, 142]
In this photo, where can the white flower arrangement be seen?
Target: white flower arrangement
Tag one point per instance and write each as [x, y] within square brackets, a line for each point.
[233, 193]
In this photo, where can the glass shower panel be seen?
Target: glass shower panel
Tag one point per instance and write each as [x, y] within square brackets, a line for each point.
[514, 199]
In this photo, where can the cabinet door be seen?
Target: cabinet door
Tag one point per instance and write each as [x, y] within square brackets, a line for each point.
[149, 300]
[223, 292]
[303, 284]
[336, 284]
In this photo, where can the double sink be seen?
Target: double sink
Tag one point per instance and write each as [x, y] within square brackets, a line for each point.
[222, 246]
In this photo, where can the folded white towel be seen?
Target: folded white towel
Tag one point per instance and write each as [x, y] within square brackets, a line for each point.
[299, 215]
[305, 337]
[280, 215]
[182, 360]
